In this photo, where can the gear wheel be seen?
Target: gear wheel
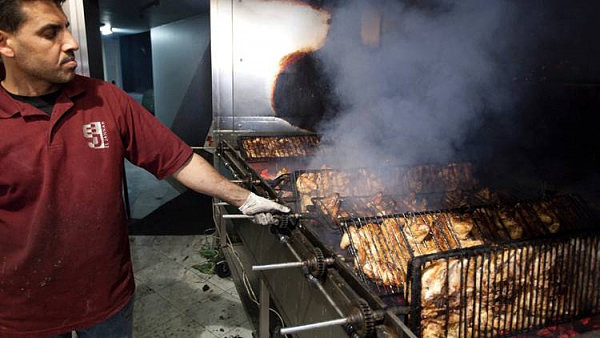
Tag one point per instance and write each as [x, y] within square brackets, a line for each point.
[283, 222]
[366, 322]
[318, 264]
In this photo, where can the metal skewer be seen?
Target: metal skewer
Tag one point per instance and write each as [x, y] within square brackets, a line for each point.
[240, 216]
[300, 328]
[361, 318]
[278, 266]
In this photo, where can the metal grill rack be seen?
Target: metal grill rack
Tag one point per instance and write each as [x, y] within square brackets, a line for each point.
[427, 259]
[426, 181]
[507, 289]
[273, 148]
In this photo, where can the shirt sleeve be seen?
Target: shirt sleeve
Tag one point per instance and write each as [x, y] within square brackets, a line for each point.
[150, 144]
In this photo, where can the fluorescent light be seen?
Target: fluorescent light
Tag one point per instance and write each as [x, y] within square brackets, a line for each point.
[106, 29]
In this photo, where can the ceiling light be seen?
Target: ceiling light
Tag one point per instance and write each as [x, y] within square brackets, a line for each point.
[106, 29]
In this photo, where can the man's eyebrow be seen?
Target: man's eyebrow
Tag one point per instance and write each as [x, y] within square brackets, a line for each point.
[53, 26]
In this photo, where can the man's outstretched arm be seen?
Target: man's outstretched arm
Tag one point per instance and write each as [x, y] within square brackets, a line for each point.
[200, 176]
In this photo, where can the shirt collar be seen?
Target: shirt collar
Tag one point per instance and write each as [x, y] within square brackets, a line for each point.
[10, 107]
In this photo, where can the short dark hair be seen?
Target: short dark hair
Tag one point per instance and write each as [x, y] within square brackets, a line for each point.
[11, 15]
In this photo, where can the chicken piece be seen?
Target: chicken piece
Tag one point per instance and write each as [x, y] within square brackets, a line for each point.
[345, 242]
[487, 196]
[417, 230]
[549, 219]
[305, 201]
[433, 329]
[282, 171]
[383, 272]
[515, 230]
[433, 281]
[305, 184]
[467, 243]
[377, 202]
[455, 199]
[330, 205]
[462, 225]
[376, 254]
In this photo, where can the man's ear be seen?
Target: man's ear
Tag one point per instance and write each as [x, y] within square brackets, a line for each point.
[5, 49]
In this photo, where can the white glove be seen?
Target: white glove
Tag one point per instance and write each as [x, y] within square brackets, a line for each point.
[261, 209]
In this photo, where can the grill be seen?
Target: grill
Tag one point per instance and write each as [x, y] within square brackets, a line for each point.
[275, 148]
[463, 267]
[484, 263]
[506, 289]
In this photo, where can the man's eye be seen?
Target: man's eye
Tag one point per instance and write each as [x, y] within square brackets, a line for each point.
[50, 34]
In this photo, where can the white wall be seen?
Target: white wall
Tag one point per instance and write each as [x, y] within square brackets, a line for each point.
[74, 10]
[111, 58]
[177, 50]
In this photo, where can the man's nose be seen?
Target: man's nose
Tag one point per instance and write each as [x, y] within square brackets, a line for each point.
[70, 43]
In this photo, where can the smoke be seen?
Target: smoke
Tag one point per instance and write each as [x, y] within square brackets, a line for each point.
[415, 96]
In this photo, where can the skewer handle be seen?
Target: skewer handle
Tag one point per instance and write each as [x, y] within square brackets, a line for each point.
[294, 329]
[277, 266]
[240, 216]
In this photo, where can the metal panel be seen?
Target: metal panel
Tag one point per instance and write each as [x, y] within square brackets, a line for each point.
[250, 38]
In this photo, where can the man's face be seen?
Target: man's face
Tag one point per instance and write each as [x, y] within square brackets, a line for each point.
[43, 47]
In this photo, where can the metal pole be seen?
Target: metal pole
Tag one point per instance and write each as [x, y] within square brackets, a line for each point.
[277, 266]
[294, 329]
[263, 316]
[236, 216]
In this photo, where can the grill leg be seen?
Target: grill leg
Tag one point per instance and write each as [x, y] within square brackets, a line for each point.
[263, 319]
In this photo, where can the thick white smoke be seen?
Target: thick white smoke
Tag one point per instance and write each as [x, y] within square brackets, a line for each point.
[413, 98]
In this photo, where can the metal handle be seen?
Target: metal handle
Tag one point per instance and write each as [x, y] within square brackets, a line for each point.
[240, 216]
[237, 216]
[277, 266]
[294, 329]
[245, 181]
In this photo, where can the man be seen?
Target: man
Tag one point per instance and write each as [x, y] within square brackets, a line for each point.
[64, 250]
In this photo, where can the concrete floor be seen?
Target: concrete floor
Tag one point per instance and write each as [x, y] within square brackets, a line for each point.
[172, 298]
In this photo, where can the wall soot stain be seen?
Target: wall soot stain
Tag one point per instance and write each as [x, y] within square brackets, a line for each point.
[302, 92]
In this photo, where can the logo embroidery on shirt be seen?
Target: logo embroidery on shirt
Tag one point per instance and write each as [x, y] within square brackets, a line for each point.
[95, 133]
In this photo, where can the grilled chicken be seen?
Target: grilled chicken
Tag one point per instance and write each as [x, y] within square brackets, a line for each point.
[462, 225]
[305, 184]
[279, 146]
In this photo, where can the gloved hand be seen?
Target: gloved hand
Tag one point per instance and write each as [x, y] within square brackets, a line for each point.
[261, 209]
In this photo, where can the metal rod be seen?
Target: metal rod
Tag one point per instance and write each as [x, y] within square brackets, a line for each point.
[237, 216]
[294, 329]
[220, 203]
[203, 148]
[245, 181]
[328, 297]
[240, 216]
[263, 323]
[277, 266]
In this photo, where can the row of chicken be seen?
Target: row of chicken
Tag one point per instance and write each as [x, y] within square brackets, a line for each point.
[268, 147]
[382, 246]
[433, 177]
[382, 250]
[510, 290]
[336, 208]
[408, 182]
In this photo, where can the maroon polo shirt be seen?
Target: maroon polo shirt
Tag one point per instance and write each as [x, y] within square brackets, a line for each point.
[64, 250]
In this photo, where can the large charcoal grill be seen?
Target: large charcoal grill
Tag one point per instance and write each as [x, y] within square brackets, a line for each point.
[488, 292]
[331, 292]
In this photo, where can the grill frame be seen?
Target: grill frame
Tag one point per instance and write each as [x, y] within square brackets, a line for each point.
[574, 299]
[309, 150]
[415, 267]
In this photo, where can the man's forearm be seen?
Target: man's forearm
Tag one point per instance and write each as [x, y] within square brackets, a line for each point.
[200, 176]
